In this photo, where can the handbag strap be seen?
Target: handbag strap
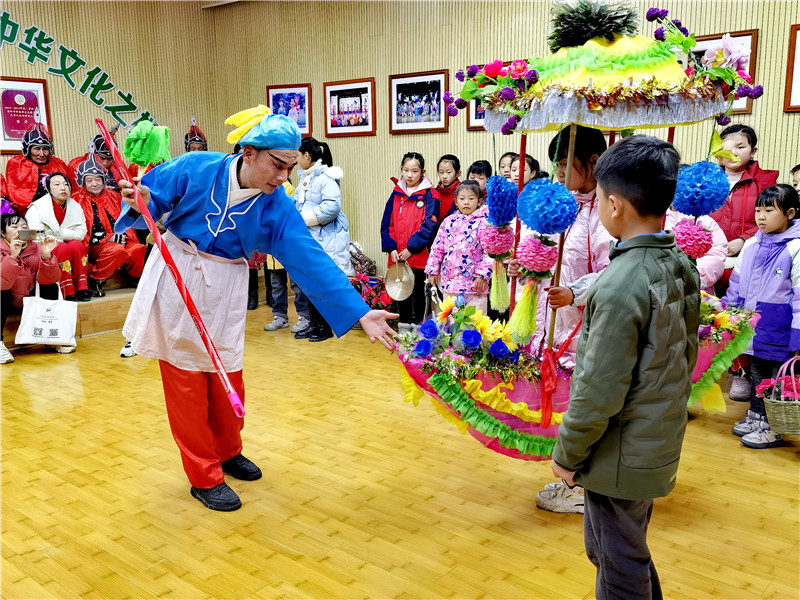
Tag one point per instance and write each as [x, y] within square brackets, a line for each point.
[787, 366]
[60, 296]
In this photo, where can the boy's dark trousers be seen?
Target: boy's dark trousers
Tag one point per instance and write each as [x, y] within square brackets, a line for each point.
[615, 534]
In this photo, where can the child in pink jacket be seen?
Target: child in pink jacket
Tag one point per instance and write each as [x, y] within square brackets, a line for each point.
[457, 261]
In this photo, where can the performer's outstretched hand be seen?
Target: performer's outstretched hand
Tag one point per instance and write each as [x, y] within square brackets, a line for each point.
[126, 189]
[375, 326]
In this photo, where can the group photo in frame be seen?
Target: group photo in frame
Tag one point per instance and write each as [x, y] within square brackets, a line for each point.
[293, 101]
[747, 38]
[349, 107]
[19, 99]
[791, 100]
[476, 115]
[416, 102]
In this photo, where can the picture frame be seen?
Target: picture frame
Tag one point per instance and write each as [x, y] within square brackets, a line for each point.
[416, 102]
[791, 99]
[350, 107]
[476, 116]
[19, 99]
[747, 38]
[293, 101]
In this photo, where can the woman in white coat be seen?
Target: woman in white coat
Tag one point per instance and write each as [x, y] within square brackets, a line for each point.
[62, 218]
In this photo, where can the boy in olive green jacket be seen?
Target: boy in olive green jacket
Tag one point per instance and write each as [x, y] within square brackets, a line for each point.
[621, 436]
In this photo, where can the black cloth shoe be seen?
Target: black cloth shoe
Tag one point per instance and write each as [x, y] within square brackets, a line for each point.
[321, 334]
[96, 288]
[252, 290]
[241, 468]
[84, 295]
[252, 300]
[220, 498]
[305, 333]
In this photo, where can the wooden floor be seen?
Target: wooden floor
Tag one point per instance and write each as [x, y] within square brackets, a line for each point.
[363, 496]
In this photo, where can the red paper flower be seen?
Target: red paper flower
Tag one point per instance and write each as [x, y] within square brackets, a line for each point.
[692, 238]
[497, 240]
[493, 68]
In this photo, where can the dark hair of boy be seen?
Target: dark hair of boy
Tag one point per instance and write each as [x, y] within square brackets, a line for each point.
[542, 175]
[794, 170]
[782, 196]
[452, 159]
[57, 174]
[480, 167]
[316, 150]
[473, 186]
[746, 131]
[533, 164]
[588, 142]
[10, 219]
[643, 170]
[413, 156]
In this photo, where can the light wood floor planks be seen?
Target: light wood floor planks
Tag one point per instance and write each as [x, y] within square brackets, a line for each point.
[363, 496]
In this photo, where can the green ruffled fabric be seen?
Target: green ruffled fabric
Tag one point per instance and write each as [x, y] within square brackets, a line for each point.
[575, 58]
[451, 392]
[147, 144]
[722, 362]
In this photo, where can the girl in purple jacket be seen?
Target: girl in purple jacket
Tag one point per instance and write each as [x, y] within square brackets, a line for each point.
[766, 278]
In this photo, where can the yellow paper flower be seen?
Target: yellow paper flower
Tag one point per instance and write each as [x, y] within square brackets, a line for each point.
[489, 330]
[722, 320]
[445, 308]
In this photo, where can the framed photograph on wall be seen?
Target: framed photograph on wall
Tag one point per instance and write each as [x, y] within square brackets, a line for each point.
[791, 101]
[19, 99]
[349, 107]
[415, 102]
[293, 101]
[476, 115]
[748, 39]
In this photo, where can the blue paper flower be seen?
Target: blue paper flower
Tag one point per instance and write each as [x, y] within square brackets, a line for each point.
[423, 348]
[702, 188]
[501, 199]
[514, 356]
[498, 349]
[471, 338]
[429, 330]
[461, 300]
[547, 207]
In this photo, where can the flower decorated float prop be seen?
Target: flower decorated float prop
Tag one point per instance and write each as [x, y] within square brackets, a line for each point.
[480, 381]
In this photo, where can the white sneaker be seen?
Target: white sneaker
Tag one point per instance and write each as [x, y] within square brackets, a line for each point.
[277, 323]
[127, 350]
[740, 389]
[5, 356]
[558, 498]
[750, 423]
[763, 437]
[301, 324]
[65, 349]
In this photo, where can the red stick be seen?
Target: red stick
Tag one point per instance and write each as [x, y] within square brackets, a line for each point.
[518, 232]
[233, 397]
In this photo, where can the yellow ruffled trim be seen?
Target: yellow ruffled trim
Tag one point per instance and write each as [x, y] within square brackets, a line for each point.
[245, 120]
[713, 400]
[496, 399]
[412, 394]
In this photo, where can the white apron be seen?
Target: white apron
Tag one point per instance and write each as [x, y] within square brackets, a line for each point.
[158, 323]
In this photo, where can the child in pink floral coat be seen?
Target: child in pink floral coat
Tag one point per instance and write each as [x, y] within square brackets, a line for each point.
[457, 261]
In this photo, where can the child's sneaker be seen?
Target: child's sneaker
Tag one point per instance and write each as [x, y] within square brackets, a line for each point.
[558, 498]
[763, 437]
[740, 389]
[301, 324]
[277, 323]
[127, 350]
[751, 422]
[5, 356]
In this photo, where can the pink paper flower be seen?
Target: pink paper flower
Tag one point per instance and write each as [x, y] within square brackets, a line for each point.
[492, 69]
[727, 54]
[504, 72]
[518, 69]
[497, 240]
[534, 255]
[744, 75]
[692, 238]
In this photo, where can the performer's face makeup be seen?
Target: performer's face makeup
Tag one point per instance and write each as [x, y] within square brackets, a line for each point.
[266, 170]
[40, 154]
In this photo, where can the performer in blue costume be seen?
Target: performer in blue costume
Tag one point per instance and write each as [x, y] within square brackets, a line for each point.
[222, 208]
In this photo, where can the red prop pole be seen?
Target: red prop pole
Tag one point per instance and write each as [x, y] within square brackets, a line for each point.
[671, 135]
[233, 397]
[518, 231]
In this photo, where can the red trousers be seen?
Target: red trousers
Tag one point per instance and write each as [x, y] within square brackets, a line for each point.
[106, 258]
[202, 421]
[71, 256]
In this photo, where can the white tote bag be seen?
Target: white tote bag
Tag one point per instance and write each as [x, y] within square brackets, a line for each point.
[47, 321]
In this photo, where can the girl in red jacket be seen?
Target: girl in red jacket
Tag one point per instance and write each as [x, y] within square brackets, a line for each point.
[22, 263]
[449, 169]
[408, 228]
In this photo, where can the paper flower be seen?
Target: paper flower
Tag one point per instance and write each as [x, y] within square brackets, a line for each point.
[461, 103]
[660, 34]
[723, 119]
[501, 198]
[445, 308]
[461, 300]
[532, 76]
[652, 14]
[702, 188]
[727, 54]
[514, 356]
[757, 92]
[536, 256]
[743, 91]
[471, 338]
[447, 98]
[496, 241]
[507, 94]
[692, 238]
[493, 68]
[518, 69]
[498, 349]
[451, 110]
[460, 75]
[547, 207]
[429, 330]
[472, 70]
[423, 348]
